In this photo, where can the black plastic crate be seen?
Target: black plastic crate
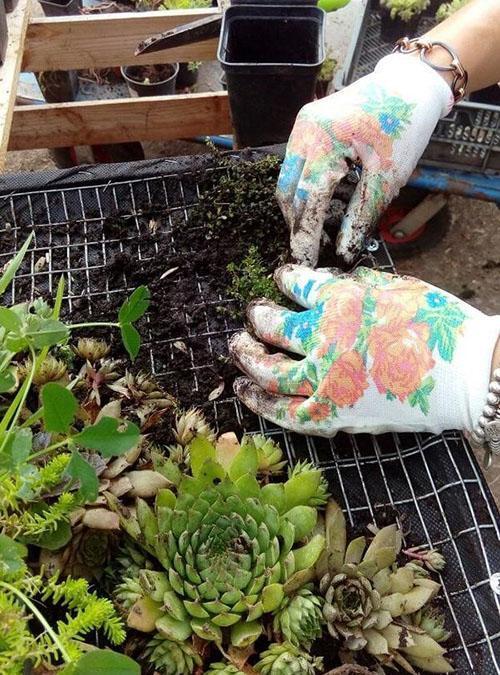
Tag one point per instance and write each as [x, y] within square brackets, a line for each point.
[467, 139]
[434, 482]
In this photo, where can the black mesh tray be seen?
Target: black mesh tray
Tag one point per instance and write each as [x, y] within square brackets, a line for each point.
[432, 481]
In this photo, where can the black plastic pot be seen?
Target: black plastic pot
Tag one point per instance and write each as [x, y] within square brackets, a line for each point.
[393, 29]
[271, 56]
[133, 76]
[489, 95]
[61, 7]
[10, 5]
[186, 77]
[4, 32]
[58, 86]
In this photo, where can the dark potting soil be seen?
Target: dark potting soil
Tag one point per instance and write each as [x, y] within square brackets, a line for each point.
[185, 254]
[151, 74]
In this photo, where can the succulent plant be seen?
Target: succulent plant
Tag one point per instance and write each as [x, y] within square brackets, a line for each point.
[50, 370]
[431, 620]
[230, 548]
[305, 471]
[369, 599]
[428, 557]
[269, 453]
[285, 659]
[127, 593]
[226, 668]
[172, 658]
[189, 425]
[91, 350]
[142, 395]
[300, 619]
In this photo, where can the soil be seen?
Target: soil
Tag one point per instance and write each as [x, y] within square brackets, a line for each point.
[150, 74]
[195, 290]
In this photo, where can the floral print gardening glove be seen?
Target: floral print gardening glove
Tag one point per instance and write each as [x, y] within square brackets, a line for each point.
[382, 121]
[377, 352]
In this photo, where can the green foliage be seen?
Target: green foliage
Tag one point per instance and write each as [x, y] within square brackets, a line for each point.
[327, 69]
[103, 662]
[250, 279]
[448, 8]
[230, 548]
[49, 644]
[405, 9]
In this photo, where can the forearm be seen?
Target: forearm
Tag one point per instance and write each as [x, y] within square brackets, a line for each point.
[495, 361]
[474, 33]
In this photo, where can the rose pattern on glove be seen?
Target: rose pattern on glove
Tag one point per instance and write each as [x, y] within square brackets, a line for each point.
[381, 122]
[366, 329]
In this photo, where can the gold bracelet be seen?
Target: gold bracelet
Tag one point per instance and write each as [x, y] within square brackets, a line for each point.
[424, 47]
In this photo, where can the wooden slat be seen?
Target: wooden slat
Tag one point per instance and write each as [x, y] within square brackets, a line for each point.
[78, 42]
[9, 71]
[140, 119]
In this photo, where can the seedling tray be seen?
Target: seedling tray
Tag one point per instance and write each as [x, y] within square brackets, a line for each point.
[87, 220]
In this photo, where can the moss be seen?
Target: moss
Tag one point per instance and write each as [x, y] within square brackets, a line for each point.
[250, 280]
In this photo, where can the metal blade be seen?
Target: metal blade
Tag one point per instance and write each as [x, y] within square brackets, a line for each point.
[196, 31]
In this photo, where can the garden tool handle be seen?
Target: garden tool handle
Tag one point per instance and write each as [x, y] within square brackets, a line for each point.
[195, 31]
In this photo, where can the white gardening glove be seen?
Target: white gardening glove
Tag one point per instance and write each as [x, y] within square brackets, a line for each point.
[383, 121]
[379, 353]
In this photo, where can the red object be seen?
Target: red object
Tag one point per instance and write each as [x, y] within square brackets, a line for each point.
[391, 217]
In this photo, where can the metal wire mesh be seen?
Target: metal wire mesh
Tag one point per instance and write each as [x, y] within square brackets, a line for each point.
[468, 138]
[432, 482]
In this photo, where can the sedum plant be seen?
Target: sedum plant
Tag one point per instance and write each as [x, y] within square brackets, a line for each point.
[234, 552]
[374, 604]
[405, 9]
[446, 9]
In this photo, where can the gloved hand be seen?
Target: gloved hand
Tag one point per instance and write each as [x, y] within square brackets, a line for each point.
[384, 121]
[379, 353]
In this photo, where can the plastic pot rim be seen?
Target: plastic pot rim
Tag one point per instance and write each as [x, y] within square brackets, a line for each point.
[271, 64]
[127, 78]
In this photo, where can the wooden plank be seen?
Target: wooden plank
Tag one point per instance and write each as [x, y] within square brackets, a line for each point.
[9, 71]
[106, 40]
[141, 119]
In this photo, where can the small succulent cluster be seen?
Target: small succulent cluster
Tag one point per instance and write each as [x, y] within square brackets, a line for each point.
[233, 555]
[375, 605]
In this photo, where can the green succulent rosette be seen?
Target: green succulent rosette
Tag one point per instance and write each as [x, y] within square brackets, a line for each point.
[231, 549]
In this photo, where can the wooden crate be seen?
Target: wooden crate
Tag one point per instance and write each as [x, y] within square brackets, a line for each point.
[100, 41]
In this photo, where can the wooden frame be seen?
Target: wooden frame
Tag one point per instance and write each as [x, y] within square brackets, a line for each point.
[99, 41]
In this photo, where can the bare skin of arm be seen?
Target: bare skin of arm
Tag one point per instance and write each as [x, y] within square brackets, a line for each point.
[474, 33]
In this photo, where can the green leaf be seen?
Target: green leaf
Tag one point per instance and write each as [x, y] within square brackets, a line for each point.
[103, 662]
[245, 462]
[9, 320]
[131, 339]
[200, 450]
[80, 471]
[59, 298]
[53, 539]
[109, 436]
[12, 555]
[420, 397]
[7, 381]
[14, 265]
[46, 332]
[135, 306]
[17, 449]
[59, 407]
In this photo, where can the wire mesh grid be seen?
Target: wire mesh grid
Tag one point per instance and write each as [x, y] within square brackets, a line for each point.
[468, 138]
[433, 483]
